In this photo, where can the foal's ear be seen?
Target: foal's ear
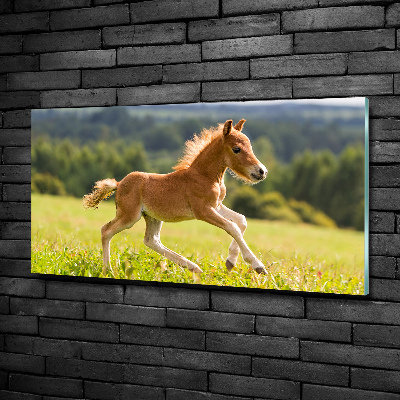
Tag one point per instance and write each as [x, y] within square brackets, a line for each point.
[239, 125]
[227, 127]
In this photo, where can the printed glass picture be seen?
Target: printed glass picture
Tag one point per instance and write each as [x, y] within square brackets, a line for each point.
[266, 194]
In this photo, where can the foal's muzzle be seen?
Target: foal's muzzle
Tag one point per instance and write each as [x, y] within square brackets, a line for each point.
[260, 173]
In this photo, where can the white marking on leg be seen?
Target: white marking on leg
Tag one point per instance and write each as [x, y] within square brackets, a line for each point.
[152, 240]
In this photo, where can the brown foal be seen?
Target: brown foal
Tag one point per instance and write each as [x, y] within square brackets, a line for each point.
[195, 190]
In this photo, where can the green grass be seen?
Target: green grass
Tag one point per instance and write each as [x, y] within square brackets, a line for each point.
[66, 241]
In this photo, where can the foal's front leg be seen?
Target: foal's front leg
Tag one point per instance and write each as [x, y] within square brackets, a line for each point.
[211, 216]
[240, 221]
[152, 240]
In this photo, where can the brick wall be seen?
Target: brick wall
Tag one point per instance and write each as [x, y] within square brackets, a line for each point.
[83, 338]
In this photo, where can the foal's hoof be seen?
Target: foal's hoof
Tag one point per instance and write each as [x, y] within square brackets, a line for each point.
[261, 270]
[229, 265]
[197, 269]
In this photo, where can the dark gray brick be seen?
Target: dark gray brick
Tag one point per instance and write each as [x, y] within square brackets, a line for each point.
[78, 330]
[226, 28]
[384, 129]
[252, 303]
[393, 15]
[121, 77]
[3, 82]
[44, 80]
[206, 71]
[301, 371]
[26, 22]
[384, 198]
[89, 17]
[385, 244]
[22, 287]
[9, 395]
[397, 84]
[376, 62]
[79, 98]
[11, 44]
[247, 47]
[105, 391]
[382, 267]
[179, 394]
[6, 6]
[19, 63]
[252, 345]
[161, 10]
[15, 230]
[247, 90]
[166, 377]
[238, 7]
[167, 337]
[84, 292]
[17, 119]
[3, 374]
[15, 212]
[35, 5]
[312, 392]
[333, 18]
[210, 320]
[13, 100]
[17, 324]
[136, 35]
[47, 308]
[122, 353]
[385, 289]
[13, 192]
[62, 41]
[320, 64]
[167, 297]
[387, 381]
[160, 94]
[355, 85]
[353, 311]
[17, 155]
[4, 305]
[384, 106]
[381, 222]
[15, 268]
[258, 387]
[345, 354]
[126, 314]
[377, 335]
[15, 174]
[207, 361]
[173, 54]
[22, 363]
[46, 385]
[304, 329]
[345, 41]
[43, 346]
[78, 59]
[94, 370]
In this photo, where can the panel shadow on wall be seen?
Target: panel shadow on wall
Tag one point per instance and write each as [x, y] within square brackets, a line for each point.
[306, 218]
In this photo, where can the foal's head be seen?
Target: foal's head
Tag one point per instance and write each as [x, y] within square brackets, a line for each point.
[239, 156]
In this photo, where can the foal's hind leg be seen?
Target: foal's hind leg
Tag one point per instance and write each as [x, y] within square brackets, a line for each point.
[240, 221]
[152, 240]
[118, 224]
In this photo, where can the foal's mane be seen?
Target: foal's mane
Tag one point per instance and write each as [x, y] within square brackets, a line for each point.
[195, 146]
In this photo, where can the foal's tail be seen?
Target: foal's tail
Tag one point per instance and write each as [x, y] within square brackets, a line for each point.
[102, 190]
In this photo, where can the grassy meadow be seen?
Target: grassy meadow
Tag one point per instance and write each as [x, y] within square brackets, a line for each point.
[66, 241]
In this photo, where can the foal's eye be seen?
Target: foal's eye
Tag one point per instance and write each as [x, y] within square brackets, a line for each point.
[236, 150]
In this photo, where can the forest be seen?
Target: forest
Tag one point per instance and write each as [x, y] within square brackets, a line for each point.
[313, 177]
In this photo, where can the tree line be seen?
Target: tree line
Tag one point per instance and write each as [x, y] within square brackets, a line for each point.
[318, 187]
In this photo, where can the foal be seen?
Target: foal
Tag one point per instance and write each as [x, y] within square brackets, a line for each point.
[195, 190]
